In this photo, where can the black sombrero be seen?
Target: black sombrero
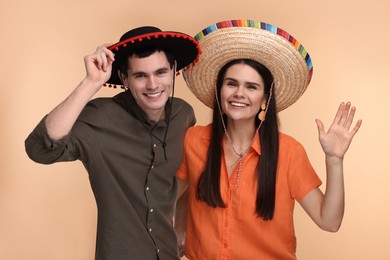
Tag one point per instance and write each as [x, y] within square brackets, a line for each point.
[184, 47]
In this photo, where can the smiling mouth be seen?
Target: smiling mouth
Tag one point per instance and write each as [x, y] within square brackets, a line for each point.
[153, 95]
[237, 104]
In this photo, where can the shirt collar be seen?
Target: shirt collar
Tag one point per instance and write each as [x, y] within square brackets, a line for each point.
[255, 145]
[127, 101]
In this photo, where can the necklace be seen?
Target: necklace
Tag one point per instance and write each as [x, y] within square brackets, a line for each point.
[242, 154]
[239, 155]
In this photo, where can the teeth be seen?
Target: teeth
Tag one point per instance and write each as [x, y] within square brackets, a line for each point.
[153, 95]
[238, 104]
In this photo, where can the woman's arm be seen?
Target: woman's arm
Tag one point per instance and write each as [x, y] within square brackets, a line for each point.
[327, 210]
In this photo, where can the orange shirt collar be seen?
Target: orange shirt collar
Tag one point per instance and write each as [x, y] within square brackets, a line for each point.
[255, 144]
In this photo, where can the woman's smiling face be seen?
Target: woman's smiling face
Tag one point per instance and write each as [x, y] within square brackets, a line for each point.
[242, 92]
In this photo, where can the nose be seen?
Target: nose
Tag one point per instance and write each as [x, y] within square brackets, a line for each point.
[239, 91]
[151, 83]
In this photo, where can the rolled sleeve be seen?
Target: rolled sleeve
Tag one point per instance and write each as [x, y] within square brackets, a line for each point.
[42, 149]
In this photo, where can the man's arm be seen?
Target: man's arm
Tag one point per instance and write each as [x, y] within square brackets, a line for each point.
[180, 219]
[98, 66]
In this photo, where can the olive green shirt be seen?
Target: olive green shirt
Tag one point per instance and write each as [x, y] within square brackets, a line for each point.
[134, 185]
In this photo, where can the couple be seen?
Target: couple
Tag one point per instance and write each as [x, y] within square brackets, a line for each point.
[243, 176]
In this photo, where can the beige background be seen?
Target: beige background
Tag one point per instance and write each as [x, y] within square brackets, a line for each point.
[49, 213]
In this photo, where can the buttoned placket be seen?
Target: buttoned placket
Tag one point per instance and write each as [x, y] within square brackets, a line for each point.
[226, 220]
[227, 213]
[225, 246]
[148, 189]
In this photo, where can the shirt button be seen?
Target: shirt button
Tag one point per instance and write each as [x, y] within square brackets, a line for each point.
[147, 188]
[150, 230]
[158, 250]
[225, 245]
[152, 167]
[154, 145]
[151, 210]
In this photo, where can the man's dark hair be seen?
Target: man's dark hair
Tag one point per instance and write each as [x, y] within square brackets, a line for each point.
[143, 53]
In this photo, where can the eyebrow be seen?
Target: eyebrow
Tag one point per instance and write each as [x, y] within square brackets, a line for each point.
[246, 82]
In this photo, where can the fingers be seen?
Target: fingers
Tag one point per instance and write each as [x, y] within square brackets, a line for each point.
[345, 115]
[350, 117]
[108, 53]
[103, 58]
[320, 127]
[339, 113]
[107, 45]
[356, 128]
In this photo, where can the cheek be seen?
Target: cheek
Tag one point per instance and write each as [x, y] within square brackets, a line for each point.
[224, 94]
[133, 92]
[167, 82]
[136, 87]
[224, 101]
[258, 101]
[164, 82]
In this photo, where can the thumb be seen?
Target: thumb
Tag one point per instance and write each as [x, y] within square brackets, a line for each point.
[320, 127]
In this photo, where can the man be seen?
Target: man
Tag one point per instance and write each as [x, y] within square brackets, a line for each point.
[131, 144]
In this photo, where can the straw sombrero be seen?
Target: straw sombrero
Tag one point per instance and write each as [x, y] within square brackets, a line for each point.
[184, 48]
[282, 54]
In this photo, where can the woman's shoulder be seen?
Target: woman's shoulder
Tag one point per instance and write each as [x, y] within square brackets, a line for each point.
[199, 131]
[286, 140]
[289, 145]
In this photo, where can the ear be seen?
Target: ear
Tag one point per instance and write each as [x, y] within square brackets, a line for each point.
[123, 78]
[265, 99]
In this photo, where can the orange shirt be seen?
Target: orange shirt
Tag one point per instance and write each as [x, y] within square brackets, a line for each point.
[235, 232]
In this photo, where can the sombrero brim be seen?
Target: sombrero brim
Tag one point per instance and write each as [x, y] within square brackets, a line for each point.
[184, 48]
[283, 55]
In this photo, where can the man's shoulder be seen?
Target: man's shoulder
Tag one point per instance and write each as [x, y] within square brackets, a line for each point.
[100, 107]
[181, 109]
[181, 103]
[100, 102]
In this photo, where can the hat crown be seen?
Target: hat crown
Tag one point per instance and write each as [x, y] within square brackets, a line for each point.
[139, 31]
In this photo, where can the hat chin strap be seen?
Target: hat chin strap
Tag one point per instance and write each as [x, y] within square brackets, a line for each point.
[169, 111]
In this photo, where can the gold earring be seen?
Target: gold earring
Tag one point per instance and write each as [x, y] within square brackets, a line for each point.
[261, 115]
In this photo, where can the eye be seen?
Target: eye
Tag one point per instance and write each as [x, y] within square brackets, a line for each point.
[139, 76]
[231, 83]
[252, 86]
[161, 72]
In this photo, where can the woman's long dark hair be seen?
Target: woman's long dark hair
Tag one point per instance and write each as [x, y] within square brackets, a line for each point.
[208, 188]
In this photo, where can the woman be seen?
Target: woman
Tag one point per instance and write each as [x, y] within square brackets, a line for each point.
[243, 175]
